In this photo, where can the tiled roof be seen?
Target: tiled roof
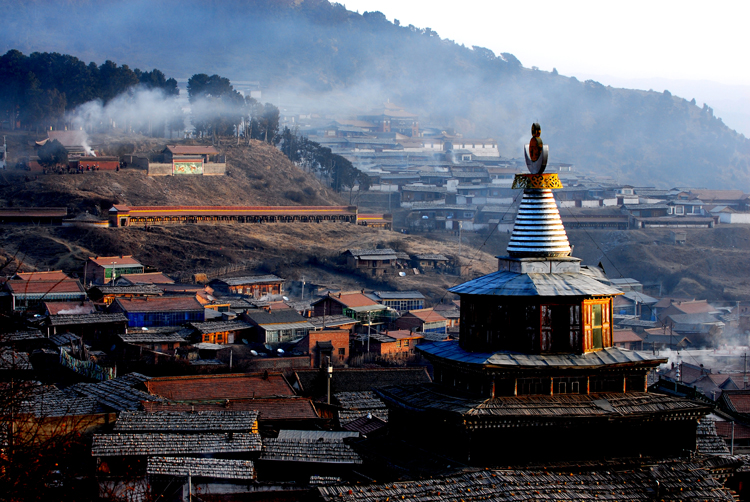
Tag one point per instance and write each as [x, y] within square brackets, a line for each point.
[214, 468]
[115, 261]
[160, 304]
[52, 275]
[48, 401]
[737, 401]
[216, 326]
[42, 287]
[613, 355]
[96, 318]
[504, 283]
[298, 434]
[429, 397]
[119, 393]
[672, 481]
[66, 308]
[20, 336]
[313, 381]
[426, 315]
[351, 300]
[136, 289]
[331, 321]
[192, 150]
[286, 408]
[366, 424]
[625, 335]
[33, 212]
[107, 445]
[219, 387]
[61, 339]
[250, 279]
[150, 337]
[10, 360]
[399, 295]
[175, 421]
[327, 451]
[146, 278]
[284, 316]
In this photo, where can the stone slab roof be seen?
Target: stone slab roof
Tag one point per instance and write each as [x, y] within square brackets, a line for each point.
[107, 445]
[119, 393]
[611, 356]
[325, 451]
[215, 468]
[503, 283]
[670, 482]
[175, 421]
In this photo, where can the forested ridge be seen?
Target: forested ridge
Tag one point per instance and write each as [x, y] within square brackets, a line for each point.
[317, 56]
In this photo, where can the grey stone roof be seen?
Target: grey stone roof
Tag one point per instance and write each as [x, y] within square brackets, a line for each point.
[326, 451]
[365, 400]
[503, 283]
[107, 445]
[67, 320]
[61, 339]
[215, 468]
[399, 295]
[331, 321]
[314, 435]
[613, 355]
[175, 421]
[47, 401]
[371, 252]
[673, 480]
[250, 279]
[19, 336]
[117, 393]
[151, 337]
[138, 289]
[214, 326]
[10, 360]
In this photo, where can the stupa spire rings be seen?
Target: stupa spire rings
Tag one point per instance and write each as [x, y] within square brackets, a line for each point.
[538, 231]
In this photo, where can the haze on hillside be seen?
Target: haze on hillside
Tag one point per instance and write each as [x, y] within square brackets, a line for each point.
[312, 56]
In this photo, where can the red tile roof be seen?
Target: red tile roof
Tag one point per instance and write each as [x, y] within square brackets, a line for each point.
[155, 303]
[18, 287]
[270, 409]
[106, 261]
[695, 307]
[625, 335]
[63, 308]
[402, 333]
[724, 429]
[740, 401]
[52, 275]
[427, 315]
[354, 300]
[219, 387]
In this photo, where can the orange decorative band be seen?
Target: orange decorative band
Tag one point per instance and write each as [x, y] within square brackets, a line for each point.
[549, 180]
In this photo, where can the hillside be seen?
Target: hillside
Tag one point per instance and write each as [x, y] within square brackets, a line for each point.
[314, 56]
[258, 174]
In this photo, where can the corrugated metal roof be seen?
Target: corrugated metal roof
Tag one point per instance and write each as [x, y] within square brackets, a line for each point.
[504, 283]
[452, 351]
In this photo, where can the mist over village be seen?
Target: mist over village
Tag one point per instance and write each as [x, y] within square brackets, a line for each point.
[281, 250]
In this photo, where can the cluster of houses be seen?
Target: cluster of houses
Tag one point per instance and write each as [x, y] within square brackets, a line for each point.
[447, 181]
[124, 316]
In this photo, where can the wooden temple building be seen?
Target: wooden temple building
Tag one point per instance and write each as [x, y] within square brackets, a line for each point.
[535, 375]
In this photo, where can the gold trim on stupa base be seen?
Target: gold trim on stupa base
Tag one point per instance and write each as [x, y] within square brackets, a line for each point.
[547, 180]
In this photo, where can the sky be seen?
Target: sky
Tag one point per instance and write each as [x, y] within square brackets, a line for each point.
[693, 49]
